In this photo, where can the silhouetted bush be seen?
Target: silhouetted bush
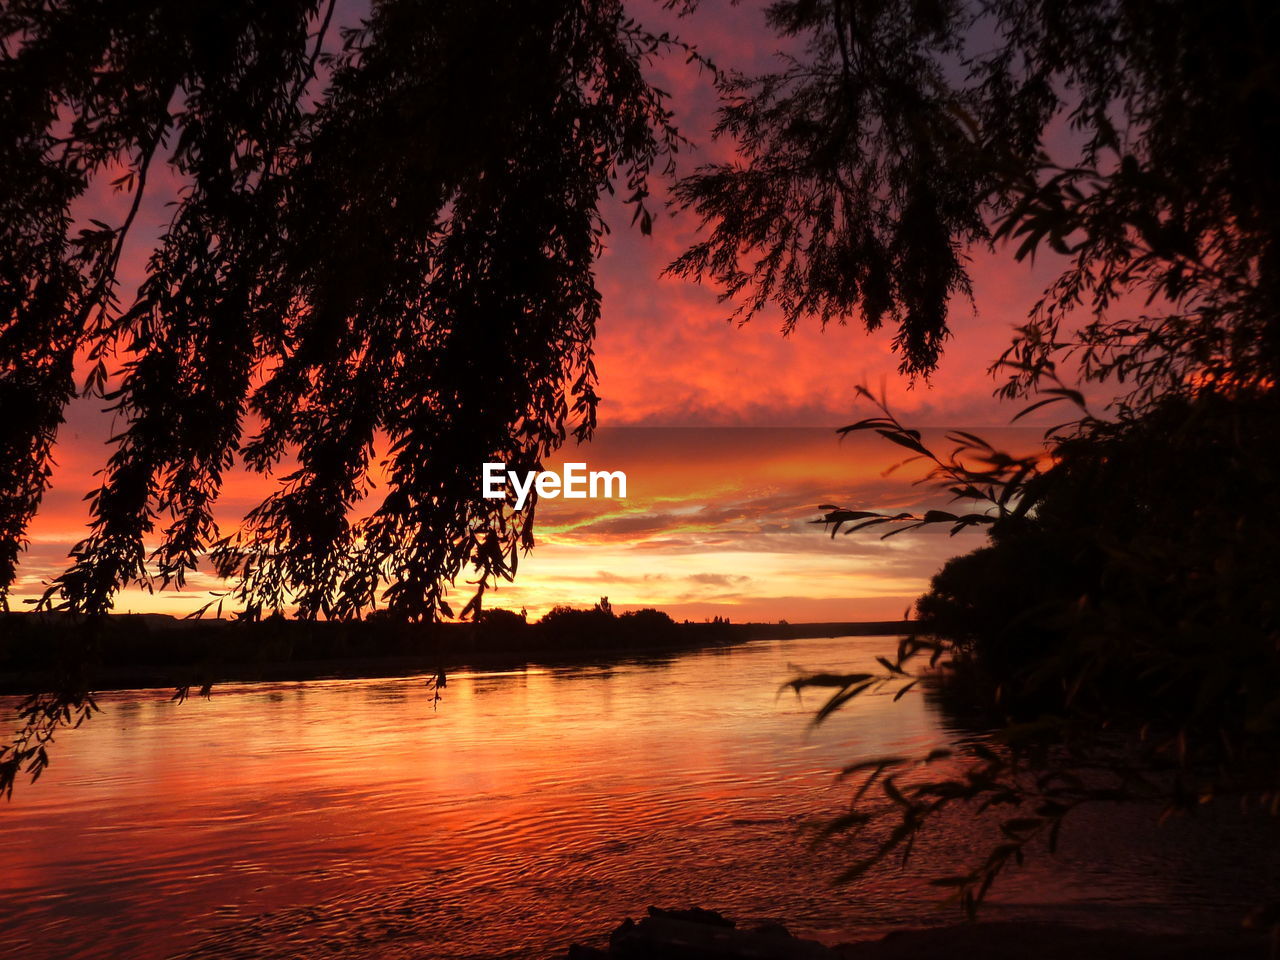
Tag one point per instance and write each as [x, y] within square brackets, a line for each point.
[499, 629]
[646, 624]
[573, 629]
[1143, 578]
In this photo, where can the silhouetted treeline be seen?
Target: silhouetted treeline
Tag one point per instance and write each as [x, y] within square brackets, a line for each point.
[158, 650]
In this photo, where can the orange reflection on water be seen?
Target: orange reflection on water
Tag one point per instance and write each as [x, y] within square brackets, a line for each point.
[521, 812]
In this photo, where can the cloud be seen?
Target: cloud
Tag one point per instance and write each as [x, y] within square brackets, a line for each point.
[720, 579]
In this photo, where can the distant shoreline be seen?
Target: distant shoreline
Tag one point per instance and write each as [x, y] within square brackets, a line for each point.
[156, 651]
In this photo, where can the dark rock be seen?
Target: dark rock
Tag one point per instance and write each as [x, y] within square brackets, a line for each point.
[667, 937]
[694, 915]
[1051, 941]
[771, 928]
[697, 934]
[621, 932]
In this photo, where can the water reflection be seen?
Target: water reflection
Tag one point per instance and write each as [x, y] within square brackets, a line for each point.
[528, 808]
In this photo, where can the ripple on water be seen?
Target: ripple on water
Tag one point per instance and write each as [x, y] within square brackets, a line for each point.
[528, 809]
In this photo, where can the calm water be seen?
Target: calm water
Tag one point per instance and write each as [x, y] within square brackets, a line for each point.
[524, 811]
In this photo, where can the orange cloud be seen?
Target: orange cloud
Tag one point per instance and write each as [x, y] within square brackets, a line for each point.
[717, 521]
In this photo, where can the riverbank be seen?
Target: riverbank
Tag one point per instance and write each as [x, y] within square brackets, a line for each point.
[137, 651]
[697, 934]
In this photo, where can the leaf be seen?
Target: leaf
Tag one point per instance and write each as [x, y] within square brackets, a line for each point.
[839, 700]
[973, 439]
[1036, 406]
[893, 793]
[939, 516]
[889, 665]
[871, 423]
[827, 680]
[869, 523]
[902, 692]
[1075, 396]
[875, 763]
[903, 529]
[904, 440]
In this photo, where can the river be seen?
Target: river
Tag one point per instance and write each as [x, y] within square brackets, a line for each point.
[520, 812]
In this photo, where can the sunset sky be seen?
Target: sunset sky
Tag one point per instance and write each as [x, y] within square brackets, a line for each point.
[726, 432]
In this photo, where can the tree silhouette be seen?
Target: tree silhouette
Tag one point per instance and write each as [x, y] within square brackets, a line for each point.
[1128, 585]
[384, 241]
[1136, 141]
[394, 240]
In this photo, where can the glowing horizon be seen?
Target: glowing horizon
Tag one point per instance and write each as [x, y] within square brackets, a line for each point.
[717, 522]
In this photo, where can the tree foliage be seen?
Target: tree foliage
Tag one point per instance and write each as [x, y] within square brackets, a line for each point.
[1127, 585]
[1117, 637]
[1135, 141]
[393, 241]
